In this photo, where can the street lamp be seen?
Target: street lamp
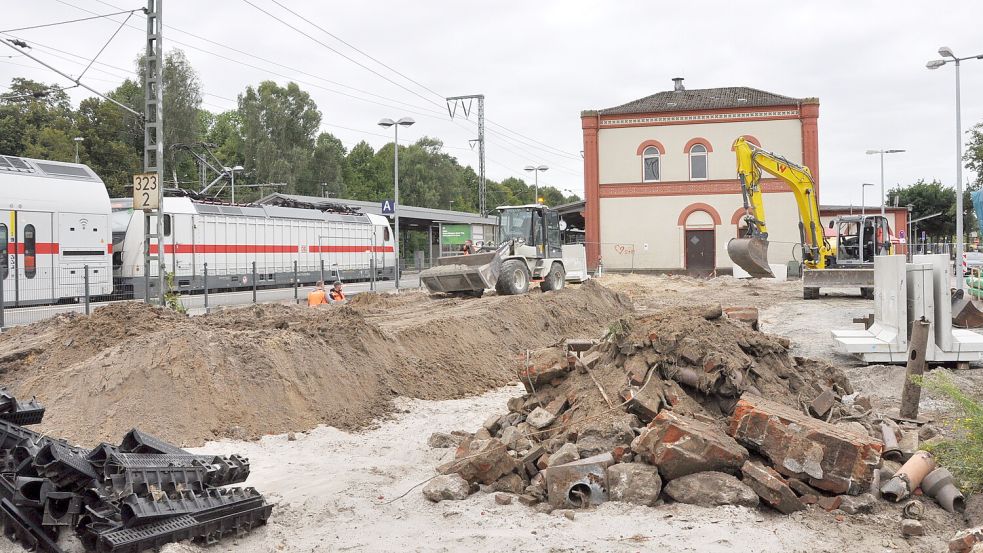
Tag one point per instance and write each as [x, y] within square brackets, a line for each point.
[863, 203]
[232, 171]
[537, 170]
[946, 52]
[882, 152]
[77, 139]
[386, 123]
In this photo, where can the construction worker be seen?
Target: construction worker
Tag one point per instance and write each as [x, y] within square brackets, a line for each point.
[336, 295]
[467, 248]
[317, 296]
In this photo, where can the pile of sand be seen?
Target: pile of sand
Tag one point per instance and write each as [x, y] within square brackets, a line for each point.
[277, 368]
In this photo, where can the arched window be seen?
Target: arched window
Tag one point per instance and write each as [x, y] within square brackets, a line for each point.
[650, 164]
[698, 162]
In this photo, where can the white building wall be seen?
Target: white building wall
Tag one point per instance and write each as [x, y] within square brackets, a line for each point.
[620, 163]
[643, 232]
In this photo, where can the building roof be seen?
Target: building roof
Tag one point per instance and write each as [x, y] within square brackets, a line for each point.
[701, 99]
[857, 208]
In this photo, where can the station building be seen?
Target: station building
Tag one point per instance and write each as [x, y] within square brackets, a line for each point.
[660, 179]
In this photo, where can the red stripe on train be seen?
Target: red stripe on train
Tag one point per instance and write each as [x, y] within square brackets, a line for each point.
[249, 248]
[41, 248]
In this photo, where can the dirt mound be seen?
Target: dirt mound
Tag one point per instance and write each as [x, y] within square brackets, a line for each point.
[275, 368]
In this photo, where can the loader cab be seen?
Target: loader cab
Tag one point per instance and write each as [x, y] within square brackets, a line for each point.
[860, 238]
[535, 228]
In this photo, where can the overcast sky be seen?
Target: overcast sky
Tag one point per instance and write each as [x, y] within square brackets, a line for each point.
[540, 63]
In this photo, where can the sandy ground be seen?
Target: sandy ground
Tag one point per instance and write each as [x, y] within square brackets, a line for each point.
[341, 491]
[338, 491]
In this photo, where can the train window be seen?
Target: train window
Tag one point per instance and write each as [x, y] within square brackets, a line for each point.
[30, 252]
[3, 252]
[385, 234]
[167, 225]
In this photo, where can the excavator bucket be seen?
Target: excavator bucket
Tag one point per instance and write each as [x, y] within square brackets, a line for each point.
[965, 314]
[750, 254]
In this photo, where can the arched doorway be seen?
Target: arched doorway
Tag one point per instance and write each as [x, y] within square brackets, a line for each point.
[700, 243]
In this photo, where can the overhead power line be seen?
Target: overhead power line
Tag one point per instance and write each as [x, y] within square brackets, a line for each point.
[130, 12]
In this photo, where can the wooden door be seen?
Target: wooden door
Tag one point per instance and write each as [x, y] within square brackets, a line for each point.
[700, 258]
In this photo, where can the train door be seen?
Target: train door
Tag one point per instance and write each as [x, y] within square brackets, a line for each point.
[8, 257]
[35, 246]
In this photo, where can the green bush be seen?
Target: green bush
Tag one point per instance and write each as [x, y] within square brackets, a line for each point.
[962, 451]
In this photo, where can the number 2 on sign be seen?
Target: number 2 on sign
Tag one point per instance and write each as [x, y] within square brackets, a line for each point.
[145, 194]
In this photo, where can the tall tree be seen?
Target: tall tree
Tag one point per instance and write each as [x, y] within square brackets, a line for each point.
[928, 198]
[974, 154]
[278, 129]
[326, 169]
[36, 121]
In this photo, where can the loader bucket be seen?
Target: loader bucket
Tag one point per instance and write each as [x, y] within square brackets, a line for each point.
[469, 274]
[750, 254]
[965, 314]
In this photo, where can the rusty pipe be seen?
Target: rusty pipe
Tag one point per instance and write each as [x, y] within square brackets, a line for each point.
[908, 477]
[939, 486]
[891, 450]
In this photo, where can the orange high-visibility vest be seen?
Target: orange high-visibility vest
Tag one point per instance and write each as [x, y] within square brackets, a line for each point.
[316, 297]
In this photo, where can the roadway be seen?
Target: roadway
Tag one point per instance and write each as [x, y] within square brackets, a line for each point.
[195, 303]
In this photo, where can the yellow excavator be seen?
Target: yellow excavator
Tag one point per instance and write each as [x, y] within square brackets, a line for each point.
[858, 238]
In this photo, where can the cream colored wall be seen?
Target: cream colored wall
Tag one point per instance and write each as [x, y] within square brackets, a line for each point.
[628, 225]
[619, 162]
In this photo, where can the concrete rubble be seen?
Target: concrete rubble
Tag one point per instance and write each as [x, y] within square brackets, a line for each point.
[694, 407]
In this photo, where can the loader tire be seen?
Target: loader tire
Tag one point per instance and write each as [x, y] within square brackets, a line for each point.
[867, 292]
[514, 278]
[810, 293]
[555, 279]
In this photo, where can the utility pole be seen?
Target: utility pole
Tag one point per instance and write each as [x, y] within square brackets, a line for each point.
[153, 142]
[452, 104]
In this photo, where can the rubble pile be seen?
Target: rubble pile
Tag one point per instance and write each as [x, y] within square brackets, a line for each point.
[138, 495]
[697, 406]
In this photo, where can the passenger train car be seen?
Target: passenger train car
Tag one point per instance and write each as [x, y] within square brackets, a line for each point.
[326, 242]
[54, 221]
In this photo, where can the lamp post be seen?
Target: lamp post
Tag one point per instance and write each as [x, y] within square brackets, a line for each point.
[863, 203]
[386, 123]
[882, 152]
[537, 170]
[232, 171]
[946, 52]
[77, 139]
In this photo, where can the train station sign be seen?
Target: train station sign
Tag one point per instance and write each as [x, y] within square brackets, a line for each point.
[388, 207]
[455, 234]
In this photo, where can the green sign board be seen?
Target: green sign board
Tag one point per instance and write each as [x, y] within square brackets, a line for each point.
[455, 234]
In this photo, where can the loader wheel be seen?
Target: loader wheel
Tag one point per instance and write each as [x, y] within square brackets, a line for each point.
[867, 293]
[810, 293]
[514, 278]
[555, 279]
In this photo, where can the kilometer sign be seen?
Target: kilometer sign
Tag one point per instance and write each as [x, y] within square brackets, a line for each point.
[145, 193]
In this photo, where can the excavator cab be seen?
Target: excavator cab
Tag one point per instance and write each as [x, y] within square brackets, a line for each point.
[859, 238]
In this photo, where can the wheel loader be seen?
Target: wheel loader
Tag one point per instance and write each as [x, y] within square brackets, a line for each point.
[529, 251]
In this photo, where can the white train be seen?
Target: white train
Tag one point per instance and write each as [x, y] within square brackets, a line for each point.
[54, 221]
[57, 218]
[325, 244]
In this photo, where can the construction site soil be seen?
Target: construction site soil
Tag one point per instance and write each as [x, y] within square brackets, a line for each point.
[273, 368]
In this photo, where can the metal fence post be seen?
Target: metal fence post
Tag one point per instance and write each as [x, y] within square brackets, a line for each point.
[86, 269]
[322, 270]
[296, 284]
[254, 282]
[204, 274]
[2, 323]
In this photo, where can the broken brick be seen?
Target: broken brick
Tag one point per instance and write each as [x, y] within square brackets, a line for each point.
[828, 457]
[556, 406]
[637, 369]
[528, 500]
[545, 365]
[748, 315]
[578, 345]
[801, 488]
[830, 503]
[483, 461]
[681, 446]
[644, 404]
[821, 406]
[809, 499]
[591, 359]
[964, 540]
[771, 487]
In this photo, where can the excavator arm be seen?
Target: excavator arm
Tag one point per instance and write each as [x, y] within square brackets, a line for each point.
[751, 251]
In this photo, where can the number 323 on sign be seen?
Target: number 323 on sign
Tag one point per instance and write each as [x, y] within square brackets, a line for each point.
[146, 195]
